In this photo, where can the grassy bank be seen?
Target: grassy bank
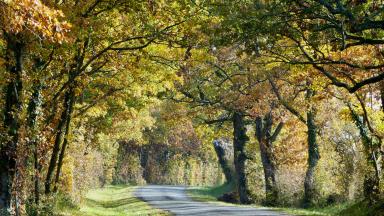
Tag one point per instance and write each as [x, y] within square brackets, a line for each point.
[111, 201]
[210, 194]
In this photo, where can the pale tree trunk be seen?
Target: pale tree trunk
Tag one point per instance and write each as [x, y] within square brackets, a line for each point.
[221, 148]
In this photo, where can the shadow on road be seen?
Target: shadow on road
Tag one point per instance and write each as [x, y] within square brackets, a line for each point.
[175, 200]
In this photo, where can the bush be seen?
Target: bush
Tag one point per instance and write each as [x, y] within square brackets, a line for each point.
[50, 205]
[4, 212]
[335, 199]
[364, 208]
[231, 197]
[45, 208]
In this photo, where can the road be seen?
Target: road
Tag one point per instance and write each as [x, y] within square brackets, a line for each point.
[175, 200]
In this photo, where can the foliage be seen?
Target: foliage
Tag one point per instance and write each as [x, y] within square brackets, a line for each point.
[96, 92]
[113, 201]
[34, 17]
[171, 153]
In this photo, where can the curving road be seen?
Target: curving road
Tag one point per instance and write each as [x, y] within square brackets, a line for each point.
[174, 199]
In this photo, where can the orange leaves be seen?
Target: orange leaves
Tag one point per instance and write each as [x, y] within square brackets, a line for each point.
[360, 62]
[34, 17]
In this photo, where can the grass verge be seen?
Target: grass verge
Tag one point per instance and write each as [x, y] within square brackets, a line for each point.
[112, 201]
[210, 194]
[363, 208]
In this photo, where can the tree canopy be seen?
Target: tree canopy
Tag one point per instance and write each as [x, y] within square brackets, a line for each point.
[281, 100]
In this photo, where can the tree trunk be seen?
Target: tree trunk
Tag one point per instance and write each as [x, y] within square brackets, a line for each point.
[58, 140]
[221, 148]
[37, 167]
[65, 143]
[372, 152]
[382, 94]
[310, 192]
[266, 138]
[33, 110]
[239, 142]
[13, 107]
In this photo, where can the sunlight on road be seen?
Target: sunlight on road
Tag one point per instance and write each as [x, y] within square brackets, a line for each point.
[175, 200]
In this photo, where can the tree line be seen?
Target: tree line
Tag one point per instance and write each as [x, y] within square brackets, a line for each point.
[294, 84]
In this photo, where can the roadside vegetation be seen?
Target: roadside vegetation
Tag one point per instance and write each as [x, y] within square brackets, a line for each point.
[211, 194]
[282, 101]
[109, 201]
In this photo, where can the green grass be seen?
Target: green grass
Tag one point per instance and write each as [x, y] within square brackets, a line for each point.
[363, 208]
[119, 201]
[210, 194]
[112, 201]
[360, 208]
[318, 211]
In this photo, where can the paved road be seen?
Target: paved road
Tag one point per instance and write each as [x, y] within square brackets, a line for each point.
[175, 200]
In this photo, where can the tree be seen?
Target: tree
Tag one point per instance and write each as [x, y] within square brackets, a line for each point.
[223, 151]
[310, 193]
[95, 54]
[338, 39]
[22, 20]
[266, 137]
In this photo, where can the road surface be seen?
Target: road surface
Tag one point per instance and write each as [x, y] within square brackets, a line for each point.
[175, 200]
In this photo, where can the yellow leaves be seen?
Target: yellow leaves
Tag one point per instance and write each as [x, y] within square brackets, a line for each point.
[345, 114]
[319, 83]
[376, 117]
[97, 111]
[34, 17]
[132, 128]
[273, 65]
[298, 73]
[67, 174]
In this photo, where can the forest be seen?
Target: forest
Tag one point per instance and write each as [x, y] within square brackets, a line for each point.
[280, 101]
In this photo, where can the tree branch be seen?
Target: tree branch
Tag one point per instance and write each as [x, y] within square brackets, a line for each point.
[285, 103]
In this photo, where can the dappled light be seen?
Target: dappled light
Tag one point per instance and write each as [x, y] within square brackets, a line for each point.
[202, 107]
[173, 199]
